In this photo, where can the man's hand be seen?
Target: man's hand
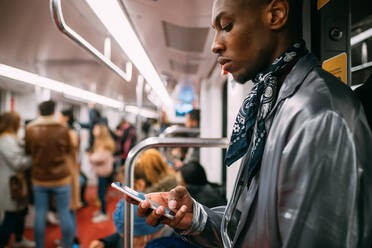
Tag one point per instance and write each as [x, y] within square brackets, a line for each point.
[178, 200]
[96, 244]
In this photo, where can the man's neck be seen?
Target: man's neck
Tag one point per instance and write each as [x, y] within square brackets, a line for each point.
[283, 43]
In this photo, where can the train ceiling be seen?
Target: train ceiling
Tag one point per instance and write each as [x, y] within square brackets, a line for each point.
[175, 33]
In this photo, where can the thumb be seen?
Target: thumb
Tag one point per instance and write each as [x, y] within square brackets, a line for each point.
[175, 197]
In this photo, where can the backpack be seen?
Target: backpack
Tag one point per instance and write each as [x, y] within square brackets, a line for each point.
[18, 188]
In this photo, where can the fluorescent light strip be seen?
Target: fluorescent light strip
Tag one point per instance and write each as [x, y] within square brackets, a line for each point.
[111, 15]
[34, 79]
[361, 37]
[142, 111]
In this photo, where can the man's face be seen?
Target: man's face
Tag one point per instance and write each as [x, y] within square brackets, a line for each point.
[242, 40]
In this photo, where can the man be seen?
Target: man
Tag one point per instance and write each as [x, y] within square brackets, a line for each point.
[305, 179]
[48, 142]
[193, 119]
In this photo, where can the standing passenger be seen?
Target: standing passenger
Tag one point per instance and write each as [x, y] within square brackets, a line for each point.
[12, 161]
[94, 118]
[66, 118]
[102, 160]
[306, 176]
[125, 139]
[49, 144]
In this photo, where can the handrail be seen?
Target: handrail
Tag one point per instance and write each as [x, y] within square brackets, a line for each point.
[178, 129]
[151, 143]
[361, 67]
[57, 16]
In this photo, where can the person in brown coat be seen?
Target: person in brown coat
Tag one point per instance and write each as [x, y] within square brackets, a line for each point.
[49, 144]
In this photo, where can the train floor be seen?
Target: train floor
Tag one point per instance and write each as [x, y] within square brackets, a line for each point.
[87, 231]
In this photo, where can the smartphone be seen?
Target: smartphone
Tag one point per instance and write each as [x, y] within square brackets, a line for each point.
[140, 197]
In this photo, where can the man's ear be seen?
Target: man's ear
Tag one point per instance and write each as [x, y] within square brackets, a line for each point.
[277, 14]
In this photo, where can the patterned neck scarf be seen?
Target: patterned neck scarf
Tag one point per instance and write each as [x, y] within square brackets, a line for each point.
[257, 106]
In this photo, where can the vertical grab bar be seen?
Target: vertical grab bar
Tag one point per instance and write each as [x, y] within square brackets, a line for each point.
[152, 143]
[57, 16]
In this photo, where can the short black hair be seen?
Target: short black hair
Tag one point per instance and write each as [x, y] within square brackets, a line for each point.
[194, 115]
[70, 114]
[47, 108]
[193, 173]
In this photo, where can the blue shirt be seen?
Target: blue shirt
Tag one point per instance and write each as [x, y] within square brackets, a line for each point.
[140, 226]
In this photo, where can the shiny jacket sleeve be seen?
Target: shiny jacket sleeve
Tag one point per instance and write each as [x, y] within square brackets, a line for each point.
[322, 176]
[208, 232]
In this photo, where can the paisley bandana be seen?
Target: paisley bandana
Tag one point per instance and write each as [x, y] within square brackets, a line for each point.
[256, 107]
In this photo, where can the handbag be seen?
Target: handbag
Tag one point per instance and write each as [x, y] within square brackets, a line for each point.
[19, 188]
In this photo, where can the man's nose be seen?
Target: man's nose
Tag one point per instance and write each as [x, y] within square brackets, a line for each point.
[217, 46]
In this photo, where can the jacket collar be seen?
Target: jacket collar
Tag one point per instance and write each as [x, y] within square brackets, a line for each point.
[293, 81]
[44, 120]
[297, 75]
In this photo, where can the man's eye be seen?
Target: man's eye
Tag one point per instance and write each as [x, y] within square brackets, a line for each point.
[227, 28]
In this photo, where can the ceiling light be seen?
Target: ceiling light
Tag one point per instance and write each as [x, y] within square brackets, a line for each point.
[116, 22]
[66, 89]
[142, 111]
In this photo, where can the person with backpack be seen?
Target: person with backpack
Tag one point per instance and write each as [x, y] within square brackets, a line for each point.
[13, 161]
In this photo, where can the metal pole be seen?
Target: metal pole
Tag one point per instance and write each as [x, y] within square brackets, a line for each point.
[169, 131]
[152, 143]
[175, 129]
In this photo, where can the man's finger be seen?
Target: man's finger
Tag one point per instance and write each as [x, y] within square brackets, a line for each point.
[179, 216]
[143, 208]
[175, 196]
[153, 219]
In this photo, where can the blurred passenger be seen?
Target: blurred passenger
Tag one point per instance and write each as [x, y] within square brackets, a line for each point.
[164, 121]
[13, 160]
[364, 93]
[151, 174]
[195, 180]
[102, 160]
[94, 118]
[49, 144]
[125, 139]
[148, 128]
[186, 155]
[66, 118]
[192, 121]
[177, 155]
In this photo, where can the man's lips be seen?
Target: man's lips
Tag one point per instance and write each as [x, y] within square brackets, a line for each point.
[225, 63]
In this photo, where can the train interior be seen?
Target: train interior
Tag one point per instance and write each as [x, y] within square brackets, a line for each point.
[150, 62]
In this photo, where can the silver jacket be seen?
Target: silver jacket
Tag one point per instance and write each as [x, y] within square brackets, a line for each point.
[314, 186]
